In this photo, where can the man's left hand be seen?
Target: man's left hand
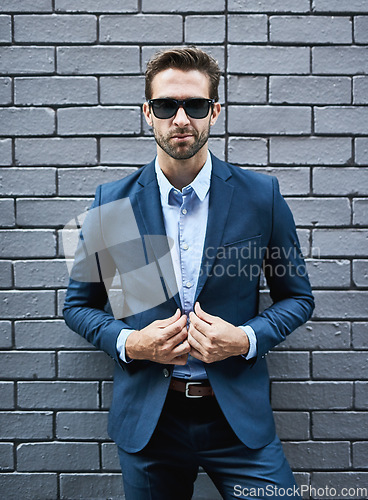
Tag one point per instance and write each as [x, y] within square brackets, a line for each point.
[213, 339]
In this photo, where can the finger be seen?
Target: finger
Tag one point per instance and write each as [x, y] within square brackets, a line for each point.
[181, 349]
[198, 323]
[176, 327]
[195, 343]
[179, 360]
[163, 323]
[208, 318]
[196, 354]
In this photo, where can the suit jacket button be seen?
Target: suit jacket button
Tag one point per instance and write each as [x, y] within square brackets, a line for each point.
[166, 372]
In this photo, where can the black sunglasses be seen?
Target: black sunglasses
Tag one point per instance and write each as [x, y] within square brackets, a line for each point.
[195, 107]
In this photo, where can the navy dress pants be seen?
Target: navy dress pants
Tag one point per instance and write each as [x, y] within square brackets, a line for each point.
[193, 433]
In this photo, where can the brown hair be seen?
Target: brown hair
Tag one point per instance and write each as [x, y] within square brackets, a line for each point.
[186, 59]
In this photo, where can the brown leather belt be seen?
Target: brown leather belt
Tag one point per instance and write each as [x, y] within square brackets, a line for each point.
[191, 389]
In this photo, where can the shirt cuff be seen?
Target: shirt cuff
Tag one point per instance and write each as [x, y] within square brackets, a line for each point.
[248, 330]
[120, 344]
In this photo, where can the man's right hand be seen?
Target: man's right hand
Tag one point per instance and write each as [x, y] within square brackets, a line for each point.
[162, 341]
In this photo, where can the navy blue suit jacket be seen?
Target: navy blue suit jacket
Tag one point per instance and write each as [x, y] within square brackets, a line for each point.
[249, 224]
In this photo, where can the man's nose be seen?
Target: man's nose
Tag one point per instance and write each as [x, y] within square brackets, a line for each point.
[181, 118]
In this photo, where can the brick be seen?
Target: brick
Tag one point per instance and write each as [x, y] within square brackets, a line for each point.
[85, 365]
[320, 211]
[255, 120]
[47, 334]
[5, 333]
[31, 485]
[340, 365]
[58, 395]
[29, 243]
[268, 60]
[81, 425]
[96, 6]
[217, 147]
[55, 29]
[251, 28]
[109, 457]
[6, 457]
[286, 365]
[311, 395]
[27, 121]
[141, 29]
[329, 273]
[318, 455]
[204, 29]
[340, 243]
[27, 181]
[310, 150]
[360, 90]
[15, 304]
[310, 29]
[106, 397]
[319, 335]
[7, 213]
[361, 395]
[15, 60]
[269, 5]
[57, 456]
[122, 90]
[99, 121]
[304, 238]
[97, 60]
[292, 425]
[361, 151]
[292, 180]
[26, 6]
[83, 182]
[310, 90]
[38, 212]
[27, 365]
[360, 455]
[41, 274]
[340, 181]
[247, 89]
[338, 120]
[5, 152]
[189, 6]
[56, 151]
[127, 151]
[247, 151]
[360, 29]
[5, 29]
[91, 485]
[5, 91]
[360, 335]
[26, 425]
[6, 395]
[360, 272]
[339, 60]
[60, 300]
[340, 425]
[360, 212]
[340, 304]
[56, 90]
[340, 6]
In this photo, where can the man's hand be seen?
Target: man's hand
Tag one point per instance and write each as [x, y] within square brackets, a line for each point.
[213, 339]
[163, 341]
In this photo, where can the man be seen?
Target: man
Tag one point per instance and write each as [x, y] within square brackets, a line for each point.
[191, 386]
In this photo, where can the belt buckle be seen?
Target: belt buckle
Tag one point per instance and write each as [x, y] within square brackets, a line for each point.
[187, 386]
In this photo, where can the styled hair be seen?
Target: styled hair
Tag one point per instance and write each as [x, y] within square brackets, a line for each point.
[186, 59]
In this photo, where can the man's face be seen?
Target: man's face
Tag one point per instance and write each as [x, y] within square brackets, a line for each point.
[181, 136]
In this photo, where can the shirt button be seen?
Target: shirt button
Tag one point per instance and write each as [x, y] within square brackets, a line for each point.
[184, 211]
[188, 284]
[185, 246]
[166, 372]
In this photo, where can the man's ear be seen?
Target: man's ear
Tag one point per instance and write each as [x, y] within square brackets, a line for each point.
[215, 113]
[147, 113]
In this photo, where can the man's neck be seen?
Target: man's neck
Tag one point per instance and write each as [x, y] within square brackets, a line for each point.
[180, 173]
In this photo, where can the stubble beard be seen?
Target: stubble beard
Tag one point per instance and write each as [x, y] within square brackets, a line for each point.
[182, 151]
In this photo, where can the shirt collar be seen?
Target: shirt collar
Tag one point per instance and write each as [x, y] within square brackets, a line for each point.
[200, 185]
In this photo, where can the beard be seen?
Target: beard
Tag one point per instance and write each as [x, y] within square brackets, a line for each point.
[182, 151]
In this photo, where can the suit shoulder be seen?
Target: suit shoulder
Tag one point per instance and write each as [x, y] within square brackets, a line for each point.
[253, 179]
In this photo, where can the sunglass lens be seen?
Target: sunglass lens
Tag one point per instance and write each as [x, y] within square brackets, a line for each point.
[164, 108]
[197, 108]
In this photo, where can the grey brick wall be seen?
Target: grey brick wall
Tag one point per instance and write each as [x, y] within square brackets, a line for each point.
[71, 86]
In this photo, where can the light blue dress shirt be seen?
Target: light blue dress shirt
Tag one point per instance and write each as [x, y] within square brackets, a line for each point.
[185, 216]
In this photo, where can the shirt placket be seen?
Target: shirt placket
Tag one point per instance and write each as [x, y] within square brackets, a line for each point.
[187, 278]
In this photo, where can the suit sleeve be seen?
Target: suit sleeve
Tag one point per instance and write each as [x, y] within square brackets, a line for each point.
[86, 307]
[287, 278]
